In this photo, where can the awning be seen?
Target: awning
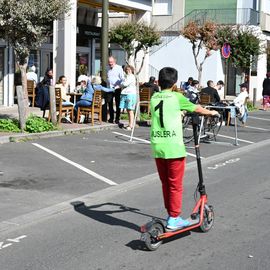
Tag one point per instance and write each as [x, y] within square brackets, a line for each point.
[126, 6]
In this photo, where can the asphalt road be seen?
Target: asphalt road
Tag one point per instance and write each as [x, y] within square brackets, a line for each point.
[41, 229]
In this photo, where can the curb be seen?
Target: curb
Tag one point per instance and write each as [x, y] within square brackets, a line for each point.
[49, 134]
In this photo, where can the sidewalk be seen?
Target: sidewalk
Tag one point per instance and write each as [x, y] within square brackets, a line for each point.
[65, 128]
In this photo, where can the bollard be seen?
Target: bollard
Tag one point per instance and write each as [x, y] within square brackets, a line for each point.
[254, 96]
[52, 104]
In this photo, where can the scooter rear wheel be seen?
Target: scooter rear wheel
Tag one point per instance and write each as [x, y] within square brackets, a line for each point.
[150, 238]
[208, 218]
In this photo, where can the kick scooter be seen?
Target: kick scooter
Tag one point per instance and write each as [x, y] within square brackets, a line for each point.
[202, 216]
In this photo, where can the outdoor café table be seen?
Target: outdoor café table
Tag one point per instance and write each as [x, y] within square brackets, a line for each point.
[233, 115]
[74, 96]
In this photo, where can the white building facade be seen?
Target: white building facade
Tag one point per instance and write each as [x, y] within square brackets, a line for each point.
[176, 51]
[73, 49]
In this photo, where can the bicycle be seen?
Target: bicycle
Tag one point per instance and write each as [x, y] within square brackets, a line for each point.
[208, 128]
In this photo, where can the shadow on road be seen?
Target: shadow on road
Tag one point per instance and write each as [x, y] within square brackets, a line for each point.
[106, 216]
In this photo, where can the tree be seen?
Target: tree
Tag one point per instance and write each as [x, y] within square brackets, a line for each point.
[245, 42]
[25, 24]
[134, 37]
[201, 37]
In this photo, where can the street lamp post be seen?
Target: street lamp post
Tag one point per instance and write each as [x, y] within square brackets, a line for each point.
[104, 38]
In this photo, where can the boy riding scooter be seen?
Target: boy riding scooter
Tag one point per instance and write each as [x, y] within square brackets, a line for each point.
[167, 143]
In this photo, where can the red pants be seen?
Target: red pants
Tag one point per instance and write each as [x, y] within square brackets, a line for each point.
[171, 173]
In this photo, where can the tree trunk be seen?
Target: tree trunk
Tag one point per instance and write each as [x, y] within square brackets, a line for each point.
[200, 74]
[22, 94]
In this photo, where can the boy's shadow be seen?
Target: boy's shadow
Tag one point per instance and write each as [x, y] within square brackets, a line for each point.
[106, 216]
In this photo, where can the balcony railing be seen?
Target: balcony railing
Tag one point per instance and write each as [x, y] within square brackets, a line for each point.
[246, 16]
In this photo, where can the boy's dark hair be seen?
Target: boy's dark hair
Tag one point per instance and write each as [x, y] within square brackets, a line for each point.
[167, 77]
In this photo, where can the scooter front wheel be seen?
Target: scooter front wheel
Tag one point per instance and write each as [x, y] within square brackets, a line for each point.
[208, 218]
[150, 237]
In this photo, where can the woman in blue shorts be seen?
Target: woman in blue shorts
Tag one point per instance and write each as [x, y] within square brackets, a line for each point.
[128, 97]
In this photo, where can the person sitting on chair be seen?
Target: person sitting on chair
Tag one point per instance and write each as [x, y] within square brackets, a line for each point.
[211, 91]
[87, 96]
[192, 92]
[62, 84]
[152, 85]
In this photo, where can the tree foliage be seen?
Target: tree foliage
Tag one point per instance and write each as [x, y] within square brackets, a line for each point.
[26, 24]
[201, 36]
[245, 42]
[134, 37]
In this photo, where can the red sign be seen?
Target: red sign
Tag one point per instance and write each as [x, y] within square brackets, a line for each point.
[226, 50]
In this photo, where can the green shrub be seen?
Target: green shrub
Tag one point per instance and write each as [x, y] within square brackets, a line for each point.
[143, 116]
[35, 124]
[251, 107]
[124, 116]
[9, 125]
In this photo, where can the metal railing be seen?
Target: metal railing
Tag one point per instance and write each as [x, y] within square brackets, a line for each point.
[153, 71]
[245, 16]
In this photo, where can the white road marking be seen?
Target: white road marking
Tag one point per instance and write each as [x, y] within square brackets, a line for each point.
[230, 161]
[100, 177]
[4, 246]
[258, 118]
[193, 155]
[13, 240]
[135, 138]
[17, 240]
[233, 138]
[264, 129]
[139, 139]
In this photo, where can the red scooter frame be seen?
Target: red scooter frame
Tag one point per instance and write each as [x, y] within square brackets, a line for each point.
[202, 215]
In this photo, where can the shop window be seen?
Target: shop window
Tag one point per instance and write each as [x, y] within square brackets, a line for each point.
[82, 64]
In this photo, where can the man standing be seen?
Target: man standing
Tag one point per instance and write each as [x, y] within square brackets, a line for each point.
[115, 76]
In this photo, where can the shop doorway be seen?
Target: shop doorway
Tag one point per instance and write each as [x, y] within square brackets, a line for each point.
[46, 62]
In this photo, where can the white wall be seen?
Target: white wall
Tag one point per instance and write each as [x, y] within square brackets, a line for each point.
[178, 54]
[265, 6]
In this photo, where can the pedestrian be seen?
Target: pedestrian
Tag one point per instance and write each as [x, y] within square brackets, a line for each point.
[167, 142]
[115, 76]
[240, 103]
[266, 92]
[128, 95]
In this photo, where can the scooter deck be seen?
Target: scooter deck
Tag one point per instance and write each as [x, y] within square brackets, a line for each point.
[191, 221]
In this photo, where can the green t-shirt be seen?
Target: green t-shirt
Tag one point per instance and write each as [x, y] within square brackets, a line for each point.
[166, 128]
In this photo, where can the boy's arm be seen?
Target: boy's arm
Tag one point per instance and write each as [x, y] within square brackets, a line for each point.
[199, 109]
